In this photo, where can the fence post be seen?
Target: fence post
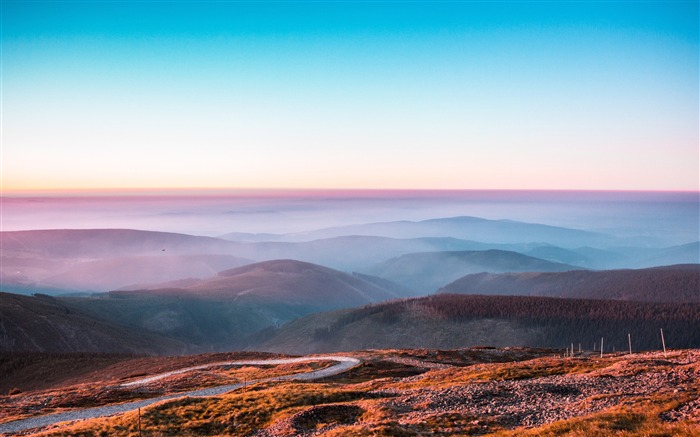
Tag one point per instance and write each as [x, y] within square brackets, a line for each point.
[663, 342]
[629, 339]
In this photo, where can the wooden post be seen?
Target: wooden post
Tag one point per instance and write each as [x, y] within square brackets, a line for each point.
[579, 348]
[629, 340]
[601, 347]
[572, 349]
[594, 343]
[663, 342]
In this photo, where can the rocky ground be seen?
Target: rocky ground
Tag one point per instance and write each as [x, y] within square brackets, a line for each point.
[477, 391]
[524, 399]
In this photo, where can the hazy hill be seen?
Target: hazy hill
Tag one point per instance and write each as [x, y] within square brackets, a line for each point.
[682, 254]
[111, 273]
[289, 282]
[468, 228]
[679, 283]
[221, 312]
[45, 324]
[358, 252]
[428, 271]
[107, 243]
[561, 255]
[69, 261]
[60, 261]
[451, 321]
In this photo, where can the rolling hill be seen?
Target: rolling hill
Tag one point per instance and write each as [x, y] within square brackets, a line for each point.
[428, 271]
[676, 284]
[453, 321]
[45, 324]
[221, 312]
[287, 282]
[468, 228]
[67, 261]
[107, 243]
[108, 274]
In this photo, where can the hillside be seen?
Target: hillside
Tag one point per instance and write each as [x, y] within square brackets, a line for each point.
[449, 321]
[221, 312]
[428, 271]
[477, 391]
[288, 282]
[68, 261]
[106, 243]
[109, 274]
[680, 283]
[45, 324]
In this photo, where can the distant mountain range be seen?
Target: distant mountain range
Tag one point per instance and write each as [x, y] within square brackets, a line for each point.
[97, 260]
[426, 272]
[464, 227]
[680, 283]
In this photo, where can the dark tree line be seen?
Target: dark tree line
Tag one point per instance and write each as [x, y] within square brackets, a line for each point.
[560, 321]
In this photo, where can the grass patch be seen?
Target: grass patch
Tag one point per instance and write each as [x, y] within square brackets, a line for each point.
[536, 368]
[232, 414]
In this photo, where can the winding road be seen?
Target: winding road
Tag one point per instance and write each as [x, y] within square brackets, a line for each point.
[344, 364]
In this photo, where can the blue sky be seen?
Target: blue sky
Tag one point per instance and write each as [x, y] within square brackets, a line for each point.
[568, 95]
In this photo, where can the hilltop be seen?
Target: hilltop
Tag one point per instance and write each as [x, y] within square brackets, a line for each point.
[428, 271]
[675, 284]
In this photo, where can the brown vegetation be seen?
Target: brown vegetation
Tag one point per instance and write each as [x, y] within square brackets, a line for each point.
[626, 395]
[454, 321]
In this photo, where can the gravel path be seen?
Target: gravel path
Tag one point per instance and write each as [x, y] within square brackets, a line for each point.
[344, 363]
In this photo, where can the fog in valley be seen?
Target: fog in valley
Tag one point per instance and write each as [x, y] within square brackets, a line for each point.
[647, 218]
[216, 272]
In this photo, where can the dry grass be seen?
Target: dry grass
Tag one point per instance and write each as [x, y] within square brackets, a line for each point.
[237, 413]
[25, 405]
[383, 399]
[538, 367]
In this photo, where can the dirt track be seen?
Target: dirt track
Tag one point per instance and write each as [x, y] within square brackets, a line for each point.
[344, 363]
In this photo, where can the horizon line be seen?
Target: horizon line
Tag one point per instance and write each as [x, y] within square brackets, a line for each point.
[292, 192]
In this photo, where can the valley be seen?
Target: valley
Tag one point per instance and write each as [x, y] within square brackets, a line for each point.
[447, 326]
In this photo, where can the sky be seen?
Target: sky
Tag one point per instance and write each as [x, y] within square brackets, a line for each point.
[129, 95]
